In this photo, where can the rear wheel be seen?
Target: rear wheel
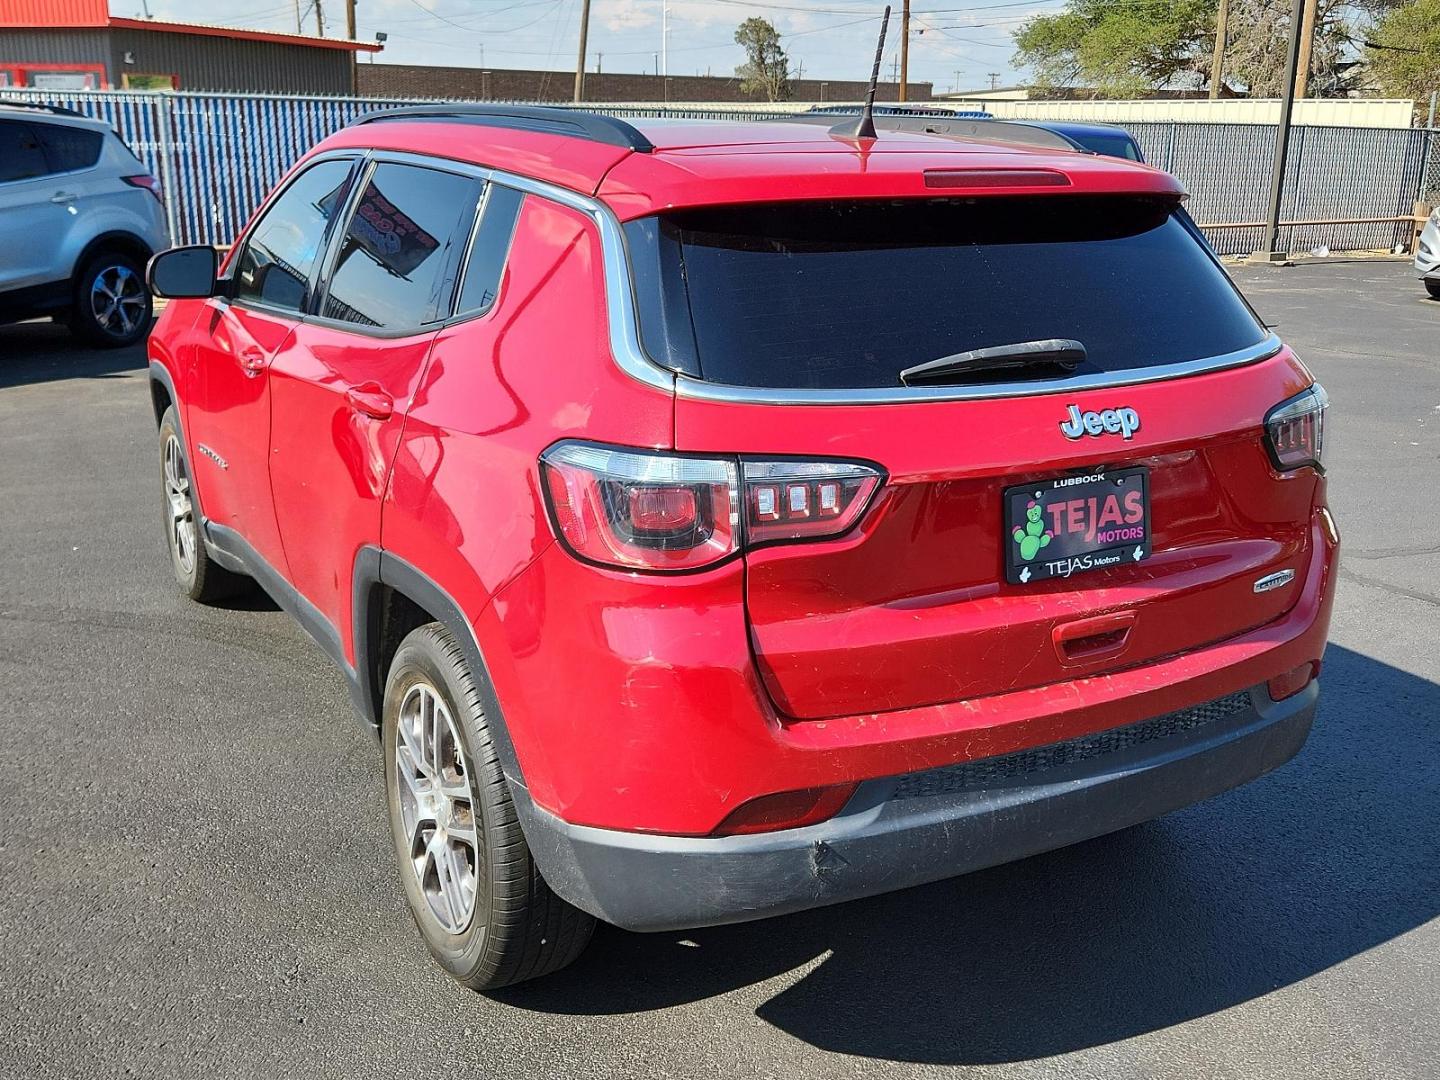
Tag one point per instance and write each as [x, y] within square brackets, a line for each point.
[200, 577]
[1433, 288]
[473, 888]
[111, 308]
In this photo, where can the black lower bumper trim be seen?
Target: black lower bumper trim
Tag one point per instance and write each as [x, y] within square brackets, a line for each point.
[940, 828]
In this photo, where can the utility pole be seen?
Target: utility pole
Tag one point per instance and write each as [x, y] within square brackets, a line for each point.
[957, 81]
[599, 63]
[1307, 48]
[299, 19]
[895, 70]
[994, 79]
[665, 37]
[319, 19]
[350, 20]
[1217, 61]
[904, 47]
[1269, 253]
[580, 57]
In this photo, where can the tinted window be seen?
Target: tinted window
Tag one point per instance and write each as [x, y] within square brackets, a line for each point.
[826, 295]
[394, 267]
[277, 266]
[69, 148]
[489, 249]
[20, 154]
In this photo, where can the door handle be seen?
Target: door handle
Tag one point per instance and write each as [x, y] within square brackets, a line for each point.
[369, 400]
[252, 360]
[63, 197]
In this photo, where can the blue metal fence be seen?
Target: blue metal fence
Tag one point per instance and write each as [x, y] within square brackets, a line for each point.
[218, 154]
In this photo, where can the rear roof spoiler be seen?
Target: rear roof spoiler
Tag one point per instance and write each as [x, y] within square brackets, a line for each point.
[954, 127]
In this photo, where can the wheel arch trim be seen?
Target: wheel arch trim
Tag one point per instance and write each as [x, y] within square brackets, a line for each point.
[375, 568]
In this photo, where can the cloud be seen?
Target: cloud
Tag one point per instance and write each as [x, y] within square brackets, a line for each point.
[628, 14]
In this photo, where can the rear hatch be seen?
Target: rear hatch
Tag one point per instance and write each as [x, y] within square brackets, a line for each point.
[1036, 523]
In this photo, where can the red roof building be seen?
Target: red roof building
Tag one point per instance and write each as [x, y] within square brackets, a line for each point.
[79, 45]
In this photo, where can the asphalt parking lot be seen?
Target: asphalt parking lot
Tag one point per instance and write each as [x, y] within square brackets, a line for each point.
[195, 877]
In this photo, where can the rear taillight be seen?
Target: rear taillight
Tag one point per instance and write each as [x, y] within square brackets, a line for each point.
[653, 510]
[149, 183]
[1295, 429]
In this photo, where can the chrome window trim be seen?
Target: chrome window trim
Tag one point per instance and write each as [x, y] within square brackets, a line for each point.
[699, 390]
[632, 359]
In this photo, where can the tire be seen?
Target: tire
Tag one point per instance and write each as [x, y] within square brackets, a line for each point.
[478, 899]
[199, 576]
[112, 307]
[1433, 288]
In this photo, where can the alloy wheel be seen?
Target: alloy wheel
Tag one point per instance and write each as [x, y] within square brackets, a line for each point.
[437, 811]
[117, 300]
[183, 537]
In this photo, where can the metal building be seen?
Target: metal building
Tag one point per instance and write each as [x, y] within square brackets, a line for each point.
[78, 45]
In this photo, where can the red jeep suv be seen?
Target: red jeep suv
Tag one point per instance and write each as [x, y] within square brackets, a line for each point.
[718, 520]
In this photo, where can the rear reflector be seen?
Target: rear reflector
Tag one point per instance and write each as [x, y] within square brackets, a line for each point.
[1293, 681]
[786, 810]
[995, 178]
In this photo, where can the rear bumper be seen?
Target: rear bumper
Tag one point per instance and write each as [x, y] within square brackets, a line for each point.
[904, 831]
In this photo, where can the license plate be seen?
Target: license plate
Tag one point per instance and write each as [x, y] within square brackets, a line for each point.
[1072, 524]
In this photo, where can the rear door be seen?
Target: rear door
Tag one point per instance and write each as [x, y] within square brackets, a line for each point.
[272, 278]
[952, 586]
[342, 383]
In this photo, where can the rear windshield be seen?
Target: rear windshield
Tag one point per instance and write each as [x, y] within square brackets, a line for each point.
[847, 294]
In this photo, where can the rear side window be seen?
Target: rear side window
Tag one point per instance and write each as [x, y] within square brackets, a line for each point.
[488, 250]
[69, 148]
[395, 266]
[846, 295]
[277, 266]
[21, 156]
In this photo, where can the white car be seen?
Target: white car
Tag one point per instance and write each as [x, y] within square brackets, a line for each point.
[1427, 255]
[79, 218]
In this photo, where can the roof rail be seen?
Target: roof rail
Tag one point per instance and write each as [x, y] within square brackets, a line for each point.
[58, 110]
[597, 127]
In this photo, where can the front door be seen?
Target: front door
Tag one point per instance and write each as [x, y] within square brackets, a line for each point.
[241, 333]
[342, 385]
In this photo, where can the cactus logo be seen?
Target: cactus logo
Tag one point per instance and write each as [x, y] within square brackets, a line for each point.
[1033, 536]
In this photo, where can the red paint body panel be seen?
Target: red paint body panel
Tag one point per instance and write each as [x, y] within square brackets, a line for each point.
[637, 706]
[464, 503]
[329, 462]
[229, 399]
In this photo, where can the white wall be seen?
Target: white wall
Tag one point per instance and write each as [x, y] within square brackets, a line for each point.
[1333, 112]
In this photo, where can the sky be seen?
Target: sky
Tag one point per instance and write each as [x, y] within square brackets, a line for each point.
[952, 42]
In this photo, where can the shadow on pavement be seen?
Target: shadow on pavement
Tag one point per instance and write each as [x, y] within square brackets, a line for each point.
[35, 352]
[1201, 911]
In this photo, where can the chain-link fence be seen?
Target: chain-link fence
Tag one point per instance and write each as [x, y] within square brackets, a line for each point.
[218, 154]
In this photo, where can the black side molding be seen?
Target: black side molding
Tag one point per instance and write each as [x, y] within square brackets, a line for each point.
[577, 123]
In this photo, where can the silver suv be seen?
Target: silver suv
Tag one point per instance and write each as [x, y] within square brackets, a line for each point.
[79, 218]
[1427, 255]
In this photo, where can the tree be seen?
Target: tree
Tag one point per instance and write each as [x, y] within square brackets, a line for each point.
[1119, 48]
[766, 69]
[1403, 50]
[1124, 48]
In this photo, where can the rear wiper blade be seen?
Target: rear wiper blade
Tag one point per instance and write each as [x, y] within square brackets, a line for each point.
[1065, 353]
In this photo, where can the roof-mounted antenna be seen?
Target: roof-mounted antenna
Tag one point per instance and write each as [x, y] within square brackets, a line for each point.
[865, 126]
